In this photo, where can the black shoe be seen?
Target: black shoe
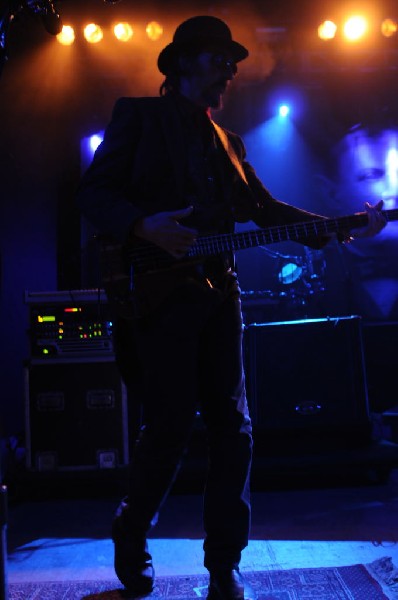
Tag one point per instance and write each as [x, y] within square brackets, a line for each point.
[226, 585]
[133, 563]
[133, 567]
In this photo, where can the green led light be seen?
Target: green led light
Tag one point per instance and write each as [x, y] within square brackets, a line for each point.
[46, 319]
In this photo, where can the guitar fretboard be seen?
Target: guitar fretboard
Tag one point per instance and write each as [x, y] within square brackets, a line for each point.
[151, 258]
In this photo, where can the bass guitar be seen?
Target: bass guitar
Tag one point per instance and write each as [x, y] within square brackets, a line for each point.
[124, 266]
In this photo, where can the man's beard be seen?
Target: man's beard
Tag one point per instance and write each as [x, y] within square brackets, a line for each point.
[213, 99]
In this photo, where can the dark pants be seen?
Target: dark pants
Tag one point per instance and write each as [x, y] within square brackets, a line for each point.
[190, 356]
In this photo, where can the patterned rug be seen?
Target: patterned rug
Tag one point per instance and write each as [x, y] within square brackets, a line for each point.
[377, 581]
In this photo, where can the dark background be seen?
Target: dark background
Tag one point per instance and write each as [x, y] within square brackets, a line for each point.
[52, 97]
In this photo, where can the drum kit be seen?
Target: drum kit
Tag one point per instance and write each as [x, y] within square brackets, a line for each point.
[302, 275]
[299, 285]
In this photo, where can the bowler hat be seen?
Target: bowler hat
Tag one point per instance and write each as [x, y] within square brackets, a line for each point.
[198, 32]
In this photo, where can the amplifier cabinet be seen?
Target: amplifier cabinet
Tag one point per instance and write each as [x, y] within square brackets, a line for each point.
[381, 358]
[76, 415]
[307, 377]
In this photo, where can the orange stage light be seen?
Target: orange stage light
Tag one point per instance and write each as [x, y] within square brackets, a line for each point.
[93, 33]
[327, 30]
[355, 28]
[389, 27]
[154, 30]
[123, 32]
[67, 35]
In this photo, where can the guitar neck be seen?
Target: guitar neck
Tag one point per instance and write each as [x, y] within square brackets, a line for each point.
[151, 258]
[231, 242]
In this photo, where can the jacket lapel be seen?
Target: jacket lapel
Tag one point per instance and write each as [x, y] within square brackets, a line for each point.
[173, 133]
[229, 150]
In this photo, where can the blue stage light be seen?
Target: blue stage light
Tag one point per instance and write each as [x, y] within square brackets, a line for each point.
[95, 141]
[284, 110]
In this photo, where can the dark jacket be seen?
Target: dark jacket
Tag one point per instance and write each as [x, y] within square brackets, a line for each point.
[139, 169]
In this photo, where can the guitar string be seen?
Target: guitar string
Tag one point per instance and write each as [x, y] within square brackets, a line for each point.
[152, 255]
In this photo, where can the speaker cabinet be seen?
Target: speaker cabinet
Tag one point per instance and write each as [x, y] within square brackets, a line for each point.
[76, 415]
[306, 380]
[381, 359]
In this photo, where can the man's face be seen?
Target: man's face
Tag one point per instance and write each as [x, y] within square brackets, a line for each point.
[368, 169]
[208, 77]
[368, 172]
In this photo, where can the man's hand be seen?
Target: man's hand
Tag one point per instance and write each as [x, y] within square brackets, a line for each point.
[164, 230]
[376, 222]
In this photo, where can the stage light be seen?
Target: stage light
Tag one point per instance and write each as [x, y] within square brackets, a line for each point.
[355, 28]
[284, 110]
[67, 35]
[389, 27]
[95, 140]
[93, 33]
[327, 30]
[123, 32]
[154, 30]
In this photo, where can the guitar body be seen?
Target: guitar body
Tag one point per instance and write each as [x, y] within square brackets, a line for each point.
[116, 279]
[134, 291]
